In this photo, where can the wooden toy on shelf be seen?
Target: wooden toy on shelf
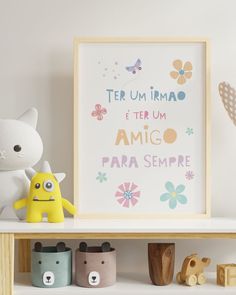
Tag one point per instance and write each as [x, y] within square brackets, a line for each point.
[192, 270]
[161, 260]
[226, 274]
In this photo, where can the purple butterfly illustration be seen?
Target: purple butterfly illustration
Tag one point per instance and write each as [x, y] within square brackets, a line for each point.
[136, 67]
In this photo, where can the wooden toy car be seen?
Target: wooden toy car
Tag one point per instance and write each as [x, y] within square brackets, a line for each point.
[226, 274]
[192, 270]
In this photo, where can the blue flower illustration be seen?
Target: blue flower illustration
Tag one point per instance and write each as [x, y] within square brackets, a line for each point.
[173, 195]
[101, 177]
[189, 131]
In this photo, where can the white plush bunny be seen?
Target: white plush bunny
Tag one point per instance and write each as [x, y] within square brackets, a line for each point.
[21, 147]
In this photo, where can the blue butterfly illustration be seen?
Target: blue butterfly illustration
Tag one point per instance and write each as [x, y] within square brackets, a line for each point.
[136, 67]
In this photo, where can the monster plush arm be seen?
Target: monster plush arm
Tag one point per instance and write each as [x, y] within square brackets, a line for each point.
[68, 206]
[20, 204]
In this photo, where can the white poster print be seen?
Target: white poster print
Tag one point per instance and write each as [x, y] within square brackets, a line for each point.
[141, 128]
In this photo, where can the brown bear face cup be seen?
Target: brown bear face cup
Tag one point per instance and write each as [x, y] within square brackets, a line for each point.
[95, 267]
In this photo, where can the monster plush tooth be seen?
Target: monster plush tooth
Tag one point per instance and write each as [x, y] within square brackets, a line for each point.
[45, 197]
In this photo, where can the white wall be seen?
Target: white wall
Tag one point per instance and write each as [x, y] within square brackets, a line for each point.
[36, 69]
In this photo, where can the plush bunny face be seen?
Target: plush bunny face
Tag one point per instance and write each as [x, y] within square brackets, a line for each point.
[20, 144]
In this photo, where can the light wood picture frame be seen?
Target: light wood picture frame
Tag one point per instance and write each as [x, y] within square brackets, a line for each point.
[141, 127]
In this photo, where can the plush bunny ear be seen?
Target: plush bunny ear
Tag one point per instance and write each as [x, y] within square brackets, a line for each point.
[83, 247]
[38, 247]
[30, 117]
[59, 176]
[61, 247]
[30, 172]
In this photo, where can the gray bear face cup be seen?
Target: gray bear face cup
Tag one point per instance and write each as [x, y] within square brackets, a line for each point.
[51, 266]
[95, 267]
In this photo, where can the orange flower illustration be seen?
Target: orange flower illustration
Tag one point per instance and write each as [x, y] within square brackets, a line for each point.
[183, 71]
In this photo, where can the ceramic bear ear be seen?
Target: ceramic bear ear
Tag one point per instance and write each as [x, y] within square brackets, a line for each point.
[38, 247]
[59, 176]
[30, 172]
[30, 117]
[61, 247]
[106, 247]
[83, 247]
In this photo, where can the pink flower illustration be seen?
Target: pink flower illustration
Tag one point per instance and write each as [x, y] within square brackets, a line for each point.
[189, 175]
[99, 112]
[127, 195]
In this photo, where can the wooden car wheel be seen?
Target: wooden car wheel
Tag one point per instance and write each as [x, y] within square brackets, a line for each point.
[191, 280]
[201, 279]
[178, 278]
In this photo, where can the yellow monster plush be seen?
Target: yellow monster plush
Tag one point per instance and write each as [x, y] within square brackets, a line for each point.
[45, 196]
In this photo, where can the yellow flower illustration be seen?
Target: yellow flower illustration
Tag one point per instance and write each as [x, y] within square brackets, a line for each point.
[183, 71]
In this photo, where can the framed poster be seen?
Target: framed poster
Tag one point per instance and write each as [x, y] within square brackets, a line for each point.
[141, 128]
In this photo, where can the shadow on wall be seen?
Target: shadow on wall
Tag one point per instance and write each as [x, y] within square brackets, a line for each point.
[61, 130]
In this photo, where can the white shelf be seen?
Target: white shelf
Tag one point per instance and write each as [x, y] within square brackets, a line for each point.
[211, 225]
[126, 284]
[138, 284]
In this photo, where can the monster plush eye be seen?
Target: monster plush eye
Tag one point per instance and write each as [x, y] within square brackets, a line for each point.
[37, 185]
[48, 185]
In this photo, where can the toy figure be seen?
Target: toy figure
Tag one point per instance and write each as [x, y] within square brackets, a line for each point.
[192, 270]
[44, 196]
[20, 147]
